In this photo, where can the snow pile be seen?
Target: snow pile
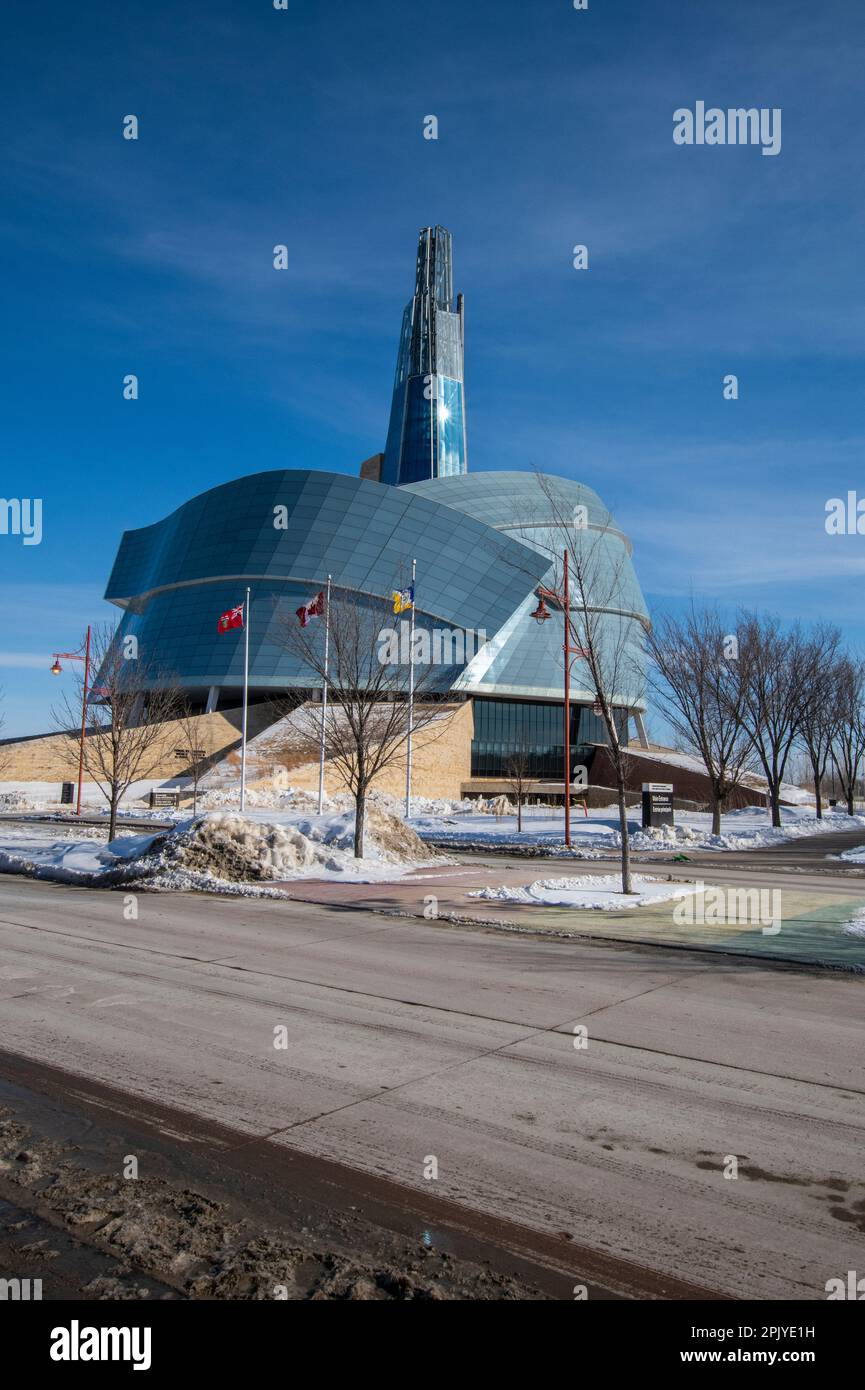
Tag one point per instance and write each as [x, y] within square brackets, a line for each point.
[13, 800]
[247, 849]
[666, 837]
[277, 793]
[387, 837]
[219, 851]
[855, 926]
[237, 850]
[852, 856]
[442, 806]
[270, 794]
[261, 797]
[597, 892]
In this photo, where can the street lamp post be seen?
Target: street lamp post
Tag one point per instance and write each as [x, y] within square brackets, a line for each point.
[55, 671]
[541, 614]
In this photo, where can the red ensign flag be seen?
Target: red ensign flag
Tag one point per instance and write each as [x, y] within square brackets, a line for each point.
[233, 618]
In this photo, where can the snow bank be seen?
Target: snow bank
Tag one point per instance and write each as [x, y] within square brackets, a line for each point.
[745, 829]
[749, 832]
[219, 851]
[277, 794]
[67, 858]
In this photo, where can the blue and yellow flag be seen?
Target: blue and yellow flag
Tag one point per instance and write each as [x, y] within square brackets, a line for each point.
[403, 599]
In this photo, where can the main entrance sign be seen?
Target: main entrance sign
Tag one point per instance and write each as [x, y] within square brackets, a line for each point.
[657, 804]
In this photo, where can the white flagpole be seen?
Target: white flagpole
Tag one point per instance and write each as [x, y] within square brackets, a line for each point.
[410, 697]
[324, 699]
[245, 701]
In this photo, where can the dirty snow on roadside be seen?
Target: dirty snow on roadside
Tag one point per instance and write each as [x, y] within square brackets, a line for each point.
[221, 852]
[200, 1241]
[597, 892]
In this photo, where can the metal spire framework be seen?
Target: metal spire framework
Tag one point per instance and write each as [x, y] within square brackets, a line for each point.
[427, 433]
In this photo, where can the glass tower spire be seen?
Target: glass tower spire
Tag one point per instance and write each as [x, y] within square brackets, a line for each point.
[427, 433]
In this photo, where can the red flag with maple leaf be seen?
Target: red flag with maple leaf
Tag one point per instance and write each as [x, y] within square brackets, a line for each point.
[313, 609]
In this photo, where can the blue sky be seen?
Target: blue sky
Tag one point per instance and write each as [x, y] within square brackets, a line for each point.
[304, 126]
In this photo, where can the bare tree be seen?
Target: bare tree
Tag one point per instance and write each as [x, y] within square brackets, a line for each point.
[189, 731]
[848, 735]
[366, 726]
[777, 672]
[519, 779]
[128, 706]
[694, 676]
[818, 725]
[608, 639]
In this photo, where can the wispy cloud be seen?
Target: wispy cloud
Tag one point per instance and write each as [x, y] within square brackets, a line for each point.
[24, 660]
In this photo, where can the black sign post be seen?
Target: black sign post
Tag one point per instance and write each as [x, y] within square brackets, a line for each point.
[657, 804]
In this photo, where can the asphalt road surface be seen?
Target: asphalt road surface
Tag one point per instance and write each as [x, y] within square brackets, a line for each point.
[408, 1040]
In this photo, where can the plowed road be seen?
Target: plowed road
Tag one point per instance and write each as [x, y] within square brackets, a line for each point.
[407, 1040]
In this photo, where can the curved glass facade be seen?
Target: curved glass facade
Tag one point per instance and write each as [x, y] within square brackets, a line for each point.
[482, 544]
[282, 533]
[538, 510]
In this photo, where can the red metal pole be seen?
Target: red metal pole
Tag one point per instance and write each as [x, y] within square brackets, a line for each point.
[567, 649]
[83, 719]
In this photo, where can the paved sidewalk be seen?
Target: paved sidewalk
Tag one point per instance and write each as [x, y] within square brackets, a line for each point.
[811, 921]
